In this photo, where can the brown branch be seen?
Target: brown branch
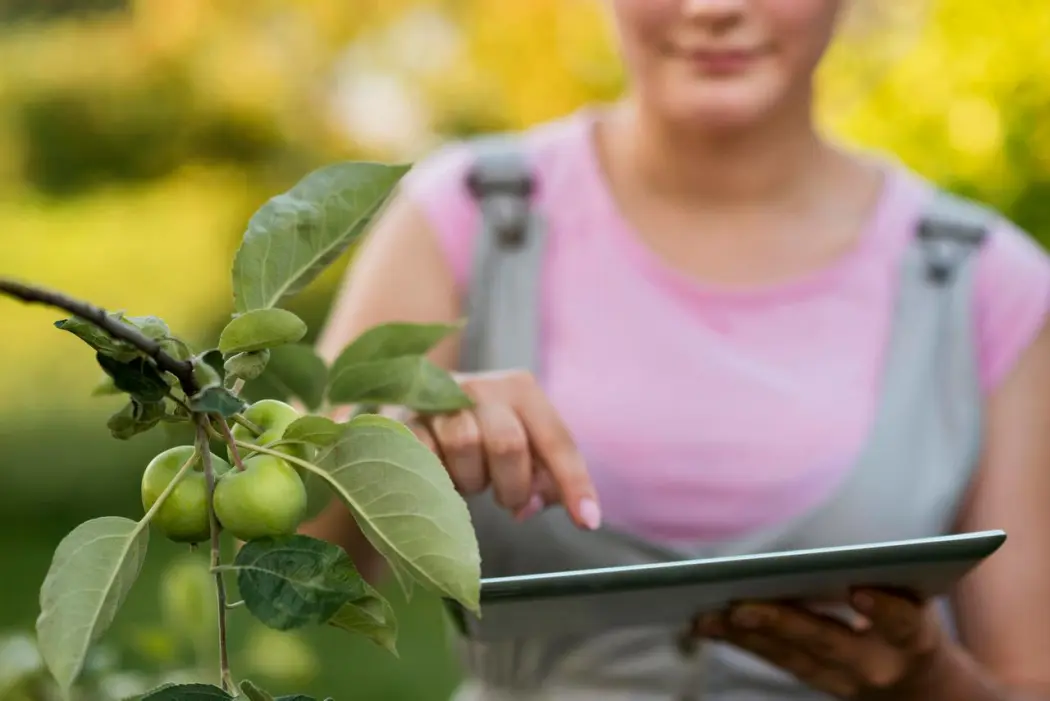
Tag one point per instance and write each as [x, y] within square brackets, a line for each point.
[181, 369]
[216, 561]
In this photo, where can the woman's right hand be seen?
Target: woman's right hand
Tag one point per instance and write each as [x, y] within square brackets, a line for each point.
[513, 441]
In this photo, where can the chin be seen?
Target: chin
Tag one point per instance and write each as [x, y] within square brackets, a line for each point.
[727, 108]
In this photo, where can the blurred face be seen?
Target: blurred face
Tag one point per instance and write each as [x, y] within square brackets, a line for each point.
[706, 64]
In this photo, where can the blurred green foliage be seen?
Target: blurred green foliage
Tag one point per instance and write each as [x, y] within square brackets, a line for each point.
[137, 136]
[38, 10]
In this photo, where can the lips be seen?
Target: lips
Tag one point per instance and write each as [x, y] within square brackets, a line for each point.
[721, 61]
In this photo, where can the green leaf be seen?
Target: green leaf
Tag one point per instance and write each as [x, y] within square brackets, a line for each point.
[91, 574]
[254, 693]
[214, 360]
[260, 329]
[248, 366]
[175, 413]
[98, 339]
[411, 381]
[371, 616]
[105, 388]
[406, 505]
[318, 495]
[136, 417]
[217, 400]
[123, 424]
[187, 692]
[393, 340]
[295, 581]
[150, 326]
[138, 377]
[387, 365]
[205, 374]
[297, 697]
[297, 234]
[176, 348]
[313, 429]
[295, 371]
[102, 342]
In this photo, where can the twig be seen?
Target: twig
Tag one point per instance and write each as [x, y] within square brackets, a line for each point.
[181, 403]
[216, 559]
[235, 452]
[215, 435]
[181, 369]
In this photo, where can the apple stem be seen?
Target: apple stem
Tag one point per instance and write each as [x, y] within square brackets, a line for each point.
[256, 430]
[216, 555]
[235, 452]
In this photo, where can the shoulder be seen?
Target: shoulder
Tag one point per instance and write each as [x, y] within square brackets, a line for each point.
[437, 184]
[1011, 299]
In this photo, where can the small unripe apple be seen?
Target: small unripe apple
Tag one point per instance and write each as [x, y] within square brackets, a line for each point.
[272, 416]
[183, 517]
[267, 498]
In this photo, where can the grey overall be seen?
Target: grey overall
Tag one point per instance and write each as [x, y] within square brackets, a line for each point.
[908, 482]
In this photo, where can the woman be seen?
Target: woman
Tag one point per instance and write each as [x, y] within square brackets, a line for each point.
[744, 344]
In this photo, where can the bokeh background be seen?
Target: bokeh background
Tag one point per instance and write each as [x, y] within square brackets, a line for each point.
[137, 136]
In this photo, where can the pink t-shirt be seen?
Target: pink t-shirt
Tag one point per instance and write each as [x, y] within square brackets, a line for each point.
[706, 413]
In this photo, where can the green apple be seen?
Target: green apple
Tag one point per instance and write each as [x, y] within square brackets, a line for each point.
[267, 498]
[272, 417]
[183, 517]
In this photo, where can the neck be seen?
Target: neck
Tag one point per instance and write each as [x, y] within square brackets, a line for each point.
[778, 159]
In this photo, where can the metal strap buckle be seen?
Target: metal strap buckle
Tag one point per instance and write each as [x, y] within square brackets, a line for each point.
[504, 193]
[946, 244]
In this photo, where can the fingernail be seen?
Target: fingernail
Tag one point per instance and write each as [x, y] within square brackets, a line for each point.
[863, 602]
[590, 514]
[530, 509]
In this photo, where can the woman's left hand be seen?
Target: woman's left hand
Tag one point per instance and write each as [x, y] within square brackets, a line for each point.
[891, 653]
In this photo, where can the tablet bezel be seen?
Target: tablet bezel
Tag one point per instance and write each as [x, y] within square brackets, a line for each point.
[948, 556]
[964, 546]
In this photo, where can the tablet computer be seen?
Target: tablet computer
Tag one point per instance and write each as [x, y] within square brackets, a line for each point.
[673, 592]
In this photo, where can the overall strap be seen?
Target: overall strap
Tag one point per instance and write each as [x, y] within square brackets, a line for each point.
[950, 229]
[933, 326]
[503, 306]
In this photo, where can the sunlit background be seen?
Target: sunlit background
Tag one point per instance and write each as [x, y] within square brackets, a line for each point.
[136, 137]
